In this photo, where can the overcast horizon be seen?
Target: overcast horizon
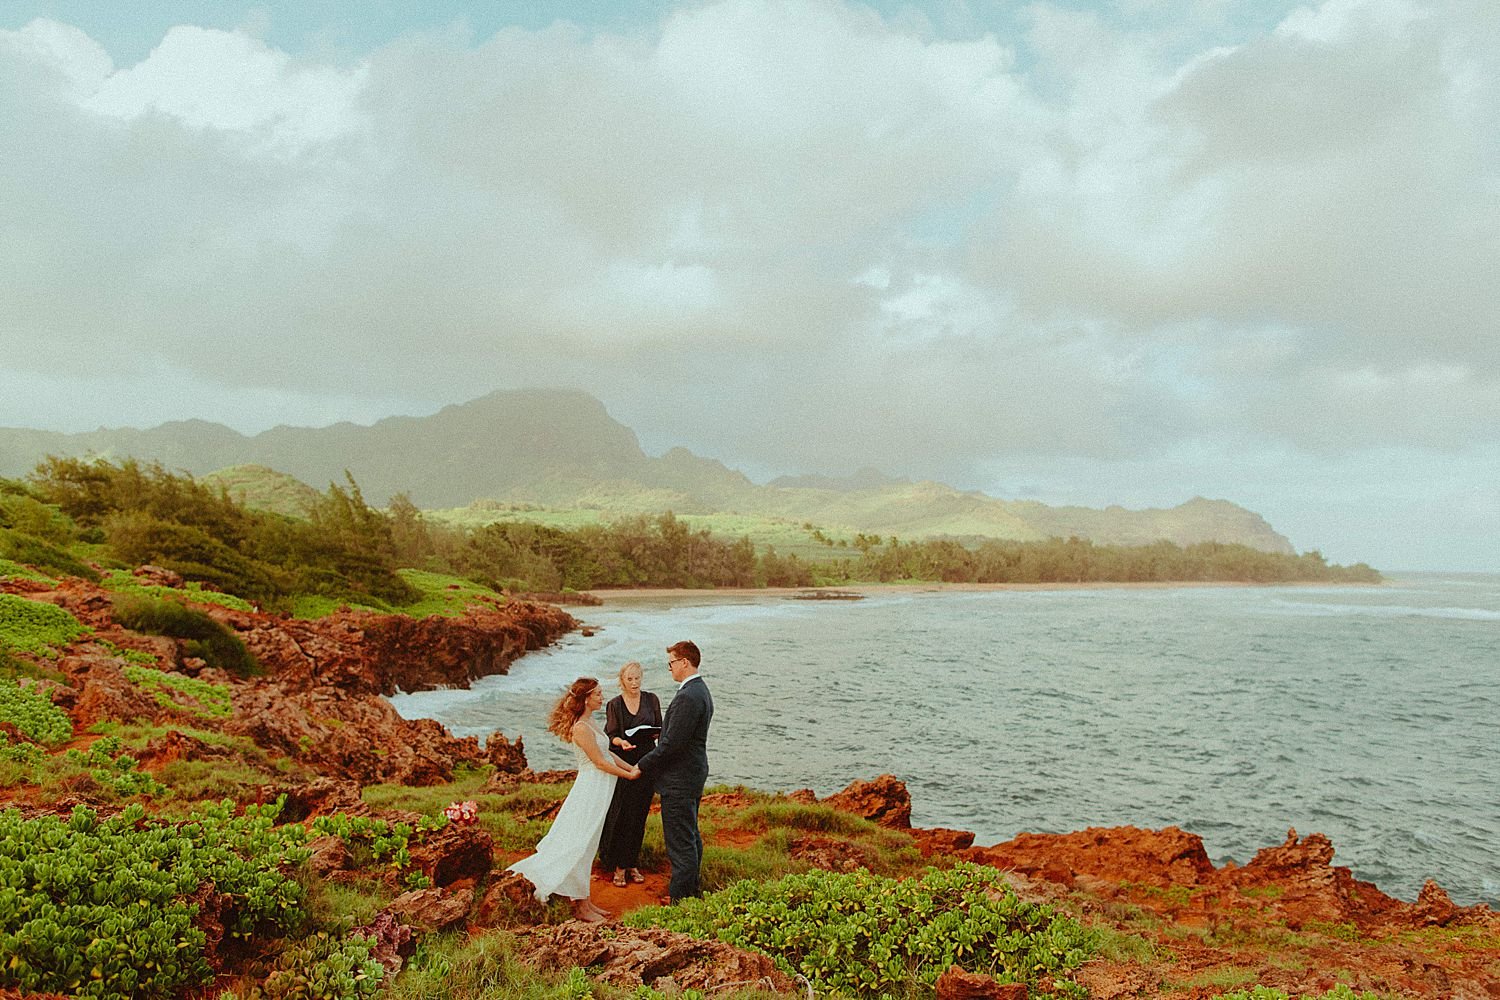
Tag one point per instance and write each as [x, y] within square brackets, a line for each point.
[1082, 253]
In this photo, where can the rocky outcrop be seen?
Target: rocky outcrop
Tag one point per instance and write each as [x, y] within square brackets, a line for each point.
[663, 960]
[883, 800]
[1119, 854]
[957, 984]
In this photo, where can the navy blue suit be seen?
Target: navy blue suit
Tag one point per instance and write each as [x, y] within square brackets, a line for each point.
[679, 768]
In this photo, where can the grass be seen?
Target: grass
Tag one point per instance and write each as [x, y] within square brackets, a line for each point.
[9, 568]
[443, 594]
[1223, 977]
[121, 582]
[502, 815]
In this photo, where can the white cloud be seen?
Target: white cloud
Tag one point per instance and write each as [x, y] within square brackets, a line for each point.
[1102, 237]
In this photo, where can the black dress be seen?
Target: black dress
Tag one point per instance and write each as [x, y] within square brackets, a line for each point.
[620, 844]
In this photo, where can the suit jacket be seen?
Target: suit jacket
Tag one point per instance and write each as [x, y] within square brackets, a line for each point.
[680, 761]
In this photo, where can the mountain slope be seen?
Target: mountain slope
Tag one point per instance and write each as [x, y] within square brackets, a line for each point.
[562, 449]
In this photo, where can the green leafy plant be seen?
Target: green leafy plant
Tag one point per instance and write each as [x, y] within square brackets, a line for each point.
[33, 713]
[36, 627]
[101, 908]
[869, 936]
[323, 967]
[208, 700]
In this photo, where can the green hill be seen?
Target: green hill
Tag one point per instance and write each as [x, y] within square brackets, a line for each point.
[562, 451]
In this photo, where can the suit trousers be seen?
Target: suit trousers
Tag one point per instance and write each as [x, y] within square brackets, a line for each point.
[679, 827]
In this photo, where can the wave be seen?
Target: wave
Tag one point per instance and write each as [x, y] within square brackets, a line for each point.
[1388, 611]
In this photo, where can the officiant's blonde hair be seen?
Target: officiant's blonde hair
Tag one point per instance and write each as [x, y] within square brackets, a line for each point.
[620, 677]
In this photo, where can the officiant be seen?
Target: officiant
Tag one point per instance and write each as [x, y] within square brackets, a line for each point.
[632, 721]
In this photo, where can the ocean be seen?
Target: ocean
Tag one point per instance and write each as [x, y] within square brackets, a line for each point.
[1370, 714]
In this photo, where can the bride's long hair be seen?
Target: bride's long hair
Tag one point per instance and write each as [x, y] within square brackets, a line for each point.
[570, 708]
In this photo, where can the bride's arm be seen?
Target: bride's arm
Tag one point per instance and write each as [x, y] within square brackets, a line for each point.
[583, 739]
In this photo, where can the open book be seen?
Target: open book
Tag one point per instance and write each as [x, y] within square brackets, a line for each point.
[648, 730]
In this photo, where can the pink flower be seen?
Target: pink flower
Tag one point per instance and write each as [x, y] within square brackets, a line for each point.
[465, 812]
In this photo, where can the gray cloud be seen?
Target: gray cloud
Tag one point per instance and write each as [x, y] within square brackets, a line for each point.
[1119, 242]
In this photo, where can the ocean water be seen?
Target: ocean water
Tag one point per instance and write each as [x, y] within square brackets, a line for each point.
[1371, 714]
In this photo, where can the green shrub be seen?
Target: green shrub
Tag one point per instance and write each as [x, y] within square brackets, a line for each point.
[323, 967]
[112, 769]
[19, 547]
[870, 936]
[33, 713]
[206, 638]
[99, 908]
[36, 627]
[213, 700]
[122, 582]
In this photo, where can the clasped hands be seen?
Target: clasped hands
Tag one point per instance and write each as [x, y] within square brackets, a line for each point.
[632, 772]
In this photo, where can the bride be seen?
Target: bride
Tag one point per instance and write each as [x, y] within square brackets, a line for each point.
[565, 856]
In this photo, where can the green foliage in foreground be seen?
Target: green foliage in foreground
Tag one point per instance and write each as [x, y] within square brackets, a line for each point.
[99, 908]
[33, 713]
[323, 966]
[215, 644]
[35, 627]
[1340, 992]
[870, 936]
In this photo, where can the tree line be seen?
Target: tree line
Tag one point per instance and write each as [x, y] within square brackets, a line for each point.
[344, 548]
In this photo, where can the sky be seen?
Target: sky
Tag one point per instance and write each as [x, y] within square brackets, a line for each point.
[1085, 253]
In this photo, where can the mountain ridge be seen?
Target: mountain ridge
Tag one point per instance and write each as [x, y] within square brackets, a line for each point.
[561, 448]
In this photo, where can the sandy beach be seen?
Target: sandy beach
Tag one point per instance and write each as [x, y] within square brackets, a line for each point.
[617, 596]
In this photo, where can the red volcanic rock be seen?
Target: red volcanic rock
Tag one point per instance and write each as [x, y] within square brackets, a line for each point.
[806, 796]
[319, 797]
[433, 909]
[157, 576]
[626, 956]
[173, 745]
[328, 855]
[941, 840]
[394, 942]
[510, 901]
[884, 800]
[507, 757]
[105, 694]
[956, 984]
[1310, 886]
[1118, 854]
[455, 852]
[829, 854]
[357, 736]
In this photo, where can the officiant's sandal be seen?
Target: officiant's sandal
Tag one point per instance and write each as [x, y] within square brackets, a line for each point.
[619, 878]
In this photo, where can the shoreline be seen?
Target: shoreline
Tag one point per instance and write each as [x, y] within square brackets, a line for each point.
[622, 594]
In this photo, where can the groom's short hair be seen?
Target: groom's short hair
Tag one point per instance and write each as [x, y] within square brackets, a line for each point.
[688, 651]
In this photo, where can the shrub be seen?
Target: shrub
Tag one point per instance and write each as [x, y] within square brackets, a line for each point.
[99, 908]
[206, 638]
[213, 700]
[19, 547]
[870, 936]
[121, 582]
[322, 967]
[35, 627]
[33, 713]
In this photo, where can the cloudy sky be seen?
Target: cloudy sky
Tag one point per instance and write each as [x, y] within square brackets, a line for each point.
[1082, 252]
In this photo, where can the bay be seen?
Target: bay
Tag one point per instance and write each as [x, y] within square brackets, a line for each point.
[1366, 713]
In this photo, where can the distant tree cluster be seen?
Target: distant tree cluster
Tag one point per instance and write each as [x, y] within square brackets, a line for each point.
[345, 549]
[1074, 560]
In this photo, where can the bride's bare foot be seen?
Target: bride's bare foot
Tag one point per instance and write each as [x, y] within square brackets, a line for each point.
[585, 909]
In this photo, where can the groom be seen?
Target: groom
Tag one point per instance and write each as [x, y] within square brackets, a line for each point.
[679, 766]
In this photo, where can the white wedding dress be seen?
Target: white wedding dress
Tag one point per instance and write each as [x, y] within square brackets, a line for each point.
[564, 858]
